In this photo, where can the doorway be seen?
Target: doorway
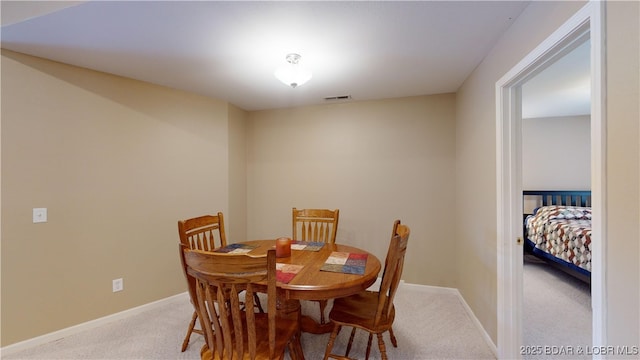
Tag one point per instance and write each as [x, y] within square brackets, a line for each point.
[556, 155]
[585, 24]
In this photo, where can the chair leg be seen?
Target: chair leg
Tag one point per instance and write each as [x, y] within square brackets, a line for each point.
[368, 347]
[297, 348]
[192, 324]
[292, 353]
[256, 298]
[332, 339]
[323, 306]
[393, 337]
[383, 349]
[353, 334]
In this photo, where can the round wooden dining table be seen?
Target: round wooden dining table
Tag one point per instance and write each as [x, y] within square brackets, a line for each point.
[311, 283]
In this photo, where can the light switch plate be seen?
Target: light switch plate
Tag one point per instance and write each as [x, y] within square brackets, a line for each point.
[118, 285]
[39, 215]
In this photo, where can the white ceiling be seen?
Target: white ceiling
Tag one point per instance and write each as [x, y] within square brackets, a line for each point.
[562, 89]
[230, 49]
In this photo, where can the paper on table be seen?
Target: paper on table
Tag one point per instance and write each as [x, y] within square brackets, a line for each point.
[286, 272]
[306, 245]
[344, 262]
[236, 249]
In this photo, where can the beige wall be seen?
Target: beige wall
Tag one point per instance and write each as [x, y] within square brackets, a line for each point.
[476, 156]
[117, 162]
[476, 164]
[376, 161]
[236, 219]
[623, 173]
[547, 144]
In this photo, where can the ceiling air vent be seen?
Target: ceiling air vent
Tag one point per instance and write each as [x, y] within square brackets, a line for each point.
[335, 98]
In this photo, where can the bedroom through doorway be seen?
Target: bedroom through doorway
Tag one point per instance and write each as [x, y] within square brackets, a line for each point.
[586, 24]
[556, 156]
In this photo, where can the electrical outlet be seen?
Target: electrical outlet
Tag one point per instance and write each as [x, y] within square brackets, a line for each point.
[118, 285]
[39, 215]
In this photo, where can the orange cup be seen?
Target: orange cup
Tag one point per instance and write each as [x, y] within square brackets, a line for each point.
[283, 247]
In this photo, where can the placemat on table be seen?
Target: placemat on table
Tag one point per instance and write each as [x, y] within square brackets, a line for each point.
[344, 262]
[306, 245]
[286, 272]
[236, 249]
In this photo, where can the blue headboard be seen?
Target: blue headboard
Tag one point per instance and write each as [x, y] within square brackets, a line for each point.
[560, 197]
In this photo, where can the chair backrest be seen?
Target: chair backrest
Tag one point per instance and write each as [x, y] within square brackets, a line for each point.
[231, 329]
[315, 224]
[203, 233]
[392, 272]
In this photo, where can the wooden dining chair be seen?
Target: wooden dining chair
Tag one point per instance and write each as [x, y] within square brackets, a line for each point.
[234, 331]
[200, 233]
[318, 225]
[372, 311]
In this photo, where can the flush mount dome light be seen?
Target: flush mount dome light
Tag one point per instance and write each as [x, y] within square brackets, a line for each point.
[292, 73]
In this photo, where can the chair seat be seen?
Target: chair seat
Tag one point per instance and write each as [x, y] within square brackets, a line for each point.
[372, 311]
[360, 310]
[285, 329]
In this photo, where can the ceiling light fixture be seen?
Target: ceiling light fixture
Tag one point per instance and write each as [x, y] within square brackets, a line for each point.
[293, 74]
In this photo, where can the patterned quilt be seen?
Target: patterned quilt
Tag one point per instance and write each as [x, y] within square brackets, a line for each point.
[564, 232]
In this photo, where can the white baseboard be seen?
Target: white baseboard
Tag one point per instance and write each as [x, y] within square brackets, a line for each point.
[474, 319]
[476, 322]
[431, 289]
[56, 335]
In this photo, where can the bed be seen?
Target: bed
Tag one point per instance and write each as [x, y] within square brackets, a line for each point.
[557, 229]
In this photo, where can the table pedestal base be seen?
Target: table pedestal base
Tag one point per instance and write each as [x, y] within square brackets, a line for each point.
[291, 309]
[310, 325]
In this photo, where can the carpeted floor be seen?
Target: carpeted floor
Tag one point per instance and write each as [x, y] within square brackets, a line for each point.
[556, 314]
[429, 325]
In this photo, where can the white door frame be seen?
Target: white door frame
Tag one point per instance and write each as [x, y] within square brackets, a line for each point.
[588, 21]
